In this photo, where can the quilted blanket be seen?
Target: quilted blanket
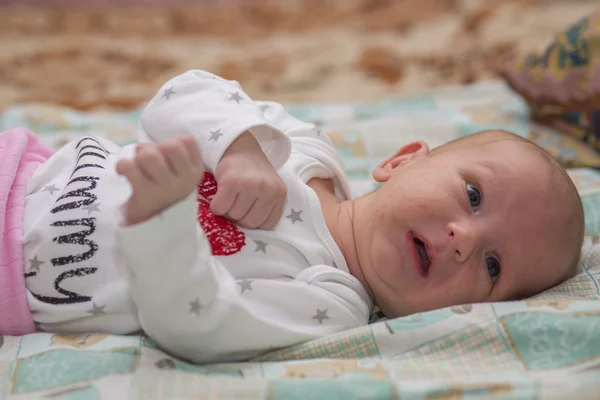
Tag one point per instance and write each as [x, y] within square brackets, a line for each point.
[547, 346]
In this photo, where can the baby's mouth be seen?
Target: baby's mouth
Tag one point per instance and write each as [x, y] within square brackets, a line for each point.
[423, 255]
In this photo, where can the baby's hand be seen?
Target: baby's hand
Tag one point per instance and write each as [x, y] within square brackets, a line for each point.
[250, 191]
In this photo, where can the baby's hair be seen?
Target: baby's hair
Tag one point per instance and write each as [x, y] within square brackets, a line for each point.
[564, 190]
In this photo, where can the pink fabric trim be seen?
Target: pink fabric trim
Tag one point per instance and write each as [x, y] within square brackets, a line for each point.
[21, 153]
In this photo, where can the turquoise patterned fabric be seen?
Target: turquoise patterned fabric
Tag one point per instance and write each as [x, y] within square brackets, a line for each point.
[544, 347]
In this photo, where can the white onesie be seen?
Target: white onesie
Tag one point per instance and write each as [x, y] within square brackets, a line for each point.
[258, 289]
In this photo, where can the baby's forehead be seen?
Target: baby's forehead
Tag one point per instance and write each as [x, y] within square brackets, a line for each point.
[506, 152]
[511, 160]
[516, 167]
[490, 140]
[496, 142]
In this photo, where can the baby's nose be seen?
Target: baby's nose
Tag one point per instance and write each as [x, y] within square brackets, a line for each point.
[462, 237]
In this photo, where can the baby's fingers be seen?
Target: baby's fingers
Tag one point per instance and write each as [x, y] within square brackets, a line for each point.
[193, 150]
[242, 205]
[274, 217]
[223, 200]
[257, 214]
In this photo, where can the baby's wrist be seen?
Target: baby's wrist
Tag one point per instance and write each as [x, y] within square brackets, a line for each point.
[245, 143]
[244, 146]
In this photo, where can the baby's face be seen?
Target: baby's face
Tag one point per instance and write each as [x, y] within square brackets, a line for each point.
[465, 225]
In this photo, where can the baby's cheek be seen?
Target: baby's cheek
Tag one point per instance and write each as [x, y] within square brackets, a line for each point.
[464, 287]
[389, 265]
[478, 287]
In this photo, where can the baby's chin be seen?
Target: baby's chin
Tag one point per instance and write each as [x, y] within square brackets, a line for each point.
[396, 311]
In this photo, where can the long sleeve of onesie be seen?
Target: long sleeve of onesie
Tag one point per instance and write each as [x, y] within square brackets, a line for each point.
[307, 139]
[195, 309]
[215, 111]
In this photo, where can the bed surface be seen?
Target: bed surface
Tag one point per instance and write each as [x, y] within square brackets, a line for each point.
[547, 346]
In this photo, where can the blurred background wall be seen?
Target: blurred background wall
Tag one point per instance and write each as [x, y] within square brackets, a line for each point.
[94, 54]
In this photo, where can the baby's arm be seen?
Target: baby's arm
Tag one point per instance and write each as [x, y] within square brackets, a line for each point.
[306, 137]
[213, 110]
[190, 304]
[241, 147]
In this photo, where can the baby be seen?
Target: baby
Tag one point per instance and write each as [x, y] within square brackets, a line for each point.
[241, 236]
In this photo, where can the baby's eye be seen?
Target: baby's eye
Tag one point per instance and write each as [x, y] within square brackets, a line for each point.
[474, 196]
[493, 266]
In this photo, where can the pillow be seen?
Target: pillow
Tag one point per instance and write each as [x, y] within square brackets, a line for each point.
[583, 125]
[561, 82]
[587, 181]
[567, 150]
[566, 73]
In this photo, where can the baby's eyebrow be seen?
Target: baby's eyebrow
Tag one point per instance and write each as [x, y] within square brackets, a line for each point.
[490, 166]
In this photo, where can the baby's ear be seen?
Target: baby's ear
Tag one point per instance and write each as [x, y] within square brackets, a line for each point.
[406, 155]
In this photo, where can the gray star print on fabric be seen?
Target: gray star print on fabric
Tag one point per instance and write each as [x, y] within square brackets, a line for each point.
[245, 284]
[321, 315]
[215, 135]
[235, 96]
[264, 107]
[295, 216]
[260, 246]
[165, 363]
[195, 306]
[91, 208]
[96, 310]
[334, 264]
[50, 188]
[318, 131]
[34, 263]
[168, 93]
